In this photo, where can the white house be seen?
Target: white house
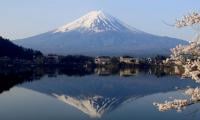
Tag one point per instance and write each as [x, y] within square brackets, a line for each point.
[102, 60]
[129, 60]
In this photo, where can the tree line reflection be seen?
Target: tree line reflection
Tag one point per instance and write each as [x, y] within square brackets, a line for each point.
[14, 76]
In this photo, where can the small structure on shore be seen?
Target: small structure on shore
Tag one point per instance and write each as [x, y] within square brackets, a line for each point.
[102, 60]
[52, 59]
[129, 60]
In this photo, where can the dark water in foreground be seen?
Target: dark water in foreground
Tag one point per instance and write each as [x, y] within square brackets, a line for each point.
[125, 95]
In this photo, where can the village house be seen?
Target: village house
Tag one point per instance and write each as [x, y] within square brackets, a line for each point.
[102, 60]
[52, 59]
[129, 60]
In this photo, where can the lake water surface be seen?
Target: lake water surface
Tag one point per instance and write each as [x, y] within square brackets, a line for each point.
[102, 96]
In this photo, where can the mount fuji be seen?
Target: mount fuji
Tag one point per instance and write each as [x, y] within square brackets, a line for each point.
[98, 33]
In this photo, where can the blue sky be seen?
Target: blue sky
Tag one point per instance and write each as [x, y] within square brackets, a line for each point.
[25, 18]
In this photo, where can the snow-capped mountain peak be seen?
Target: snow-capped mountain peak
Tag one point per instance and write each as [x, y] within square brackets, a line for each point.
[95, 21]
[98, 33]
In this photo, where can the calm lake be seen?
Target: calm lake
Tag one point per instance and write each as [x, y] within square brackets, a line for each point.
[101, 94]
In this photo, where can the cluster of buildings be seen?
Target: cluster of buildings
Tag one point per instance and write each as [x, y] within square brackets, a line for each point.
[53, 59]
[105, 60]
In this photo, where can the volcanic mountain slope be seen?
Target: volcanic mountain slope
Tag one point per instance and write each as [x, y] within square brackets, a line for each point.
[98, 33]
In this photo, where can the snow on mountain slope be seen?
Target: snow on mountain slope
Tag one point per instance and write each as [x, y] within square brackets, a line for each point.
[98, 33]
[95, 21]
[95, 106]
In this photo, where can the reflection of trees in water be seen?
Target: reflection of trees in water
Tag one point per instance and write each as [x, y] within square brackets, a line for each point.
[13, 76]
[159, 71]
[75, 72]
[180, 104]
[10, 78]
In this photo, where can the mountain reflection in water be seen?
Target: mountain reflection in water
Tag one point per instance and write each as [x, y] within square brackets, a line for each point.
[98, 91]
